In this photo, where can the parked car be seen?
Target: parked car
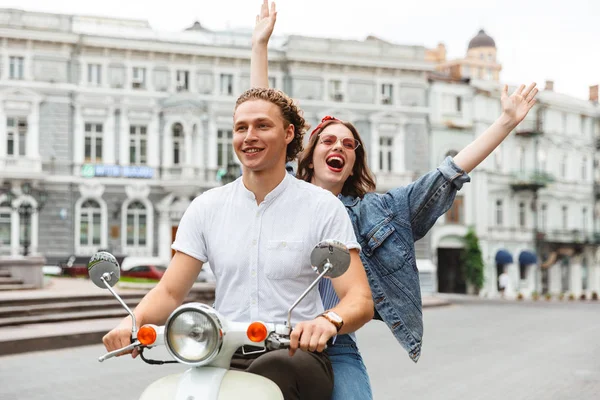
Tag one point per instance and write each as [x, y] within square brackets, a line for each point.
[143, 267]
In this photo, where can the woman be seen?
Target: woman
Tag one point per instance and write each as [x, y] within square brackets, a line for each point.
[386, 225]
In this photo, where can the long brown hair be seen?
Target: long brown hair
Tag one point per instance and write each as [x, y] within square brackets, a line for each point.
[359, 183]
[289, 111]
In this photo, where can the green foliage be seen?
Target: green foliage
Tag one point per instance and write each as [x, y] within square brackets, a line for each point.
[472, 261]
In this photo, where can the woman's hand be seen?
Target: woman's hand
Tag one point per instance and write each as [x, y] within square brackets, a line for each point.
[265, 22]
[517, 105]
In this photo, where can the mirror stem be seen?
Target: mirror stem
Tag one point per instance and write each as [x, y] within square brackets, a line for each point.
[326, 268]
[107, 277]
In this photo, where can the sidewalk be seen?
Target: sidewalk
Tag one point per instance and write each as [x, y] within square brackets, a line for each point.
[56, 335]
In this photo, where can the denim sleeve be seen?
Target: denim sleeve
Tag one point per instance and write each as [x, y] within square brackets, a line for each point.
[430, 196]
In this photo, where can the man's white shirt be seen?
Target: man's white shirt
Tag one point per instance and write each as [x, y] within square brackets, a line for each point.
[260, 254]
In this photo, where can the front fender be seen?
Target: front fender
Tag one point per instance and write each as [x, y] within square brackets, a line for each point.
[209, 383]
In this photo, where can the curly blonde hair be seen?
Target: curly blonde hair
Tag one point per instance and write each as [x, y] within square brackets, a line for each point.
[289, 111]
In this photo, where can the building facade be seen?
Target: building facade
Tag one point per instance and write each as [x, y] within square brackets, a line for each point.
[122, 126]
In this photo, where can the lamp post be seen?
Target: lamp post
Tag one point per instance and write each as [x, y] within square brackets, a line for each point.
[25, 209]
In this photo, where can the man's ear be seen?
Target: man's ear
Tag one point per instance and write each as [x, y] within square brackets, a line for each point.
[289, 133]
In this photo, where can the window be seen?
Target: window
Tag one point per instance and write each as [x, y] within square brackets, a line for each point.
[335, 90]
[490, 74]
[136, 224]
[542, 160]
[227, 84]
[491, 57]
[138, 80]
[16, 136]
[583, 124]
[138, 144]
[386, 149]
[387, 91]
[94, 74]
[272, 82]
[451, 153]
[584, 163]
[90, 224]
[499, 213]
[565, 217]
[584, 221]
[224, 147]
[544, 217]
[563, 166]
[564, 123]
[93, 143]
[481, 56]
[16, 68]
[177, 143]
[498, 159]
[5, 225]
[522, 215]
[455, 214]
[459, 104]
[183, 80]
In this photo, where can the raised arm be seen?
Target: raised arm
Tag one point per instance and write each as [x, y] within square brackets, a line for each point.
[259, 64]
[514, 109]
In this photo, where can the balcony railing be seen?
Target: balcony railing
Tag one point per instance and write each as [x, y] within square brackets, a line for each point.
[529, 128]
[569, 236]
[530, 180]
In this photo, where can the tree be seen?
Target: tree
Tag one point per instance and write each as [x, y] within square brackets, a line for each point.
[472, 260]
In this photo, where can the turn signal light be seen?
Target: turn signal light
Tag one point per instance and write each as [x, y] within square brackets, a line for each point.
[257, 332]
[147, 335]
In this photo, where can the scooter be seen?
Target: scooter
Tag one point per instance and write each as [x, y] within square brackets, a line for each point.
[196, 335]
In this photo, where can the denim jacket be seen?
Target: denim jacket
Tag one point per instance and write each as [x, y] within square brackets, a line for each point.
[387, 226]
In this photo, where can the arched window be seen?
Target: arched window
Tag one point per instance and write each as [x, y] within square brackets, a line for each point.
[90, 225]
[136, 224]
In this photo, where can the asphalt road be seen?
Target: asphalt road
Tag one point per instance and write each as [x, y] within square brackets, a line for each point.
[472, 350]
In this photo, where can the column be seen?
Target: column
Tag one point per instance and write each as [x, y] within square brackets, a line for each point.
[33, 132]
[124, 138]
[153, 141]
[35, 226]
[108, 138]
[399, 161]
[575, 284]
[167, 147]
[188, 169]
[212, 143]
[200, 162]
[374, 155]
[555, 279]
[164, 235]
[78, 138]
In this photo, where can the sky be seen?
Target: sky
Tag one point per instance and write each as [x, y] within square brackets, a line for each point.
[537, 40]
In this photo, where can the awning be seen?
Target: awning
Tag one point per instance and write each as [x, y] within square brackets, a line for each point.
[503, 257]
[527, 258]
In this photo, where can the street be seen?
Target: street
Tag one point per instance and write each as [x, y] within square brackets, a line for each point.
[473, 349]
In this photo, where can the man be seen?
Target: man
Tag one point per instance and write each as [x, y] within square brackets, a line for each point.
[257, 233]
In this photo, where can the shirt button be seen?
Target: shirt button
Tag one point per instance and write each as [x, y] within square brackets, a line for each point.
[254, 242]
[253, 273]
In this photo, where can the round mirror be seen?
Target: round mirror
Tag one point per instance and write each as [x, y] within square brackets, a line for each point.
[334, 252]
[103, 263]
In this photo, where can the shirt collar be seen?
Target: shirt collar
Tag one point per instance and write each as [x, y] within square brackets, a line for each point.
[273, 194]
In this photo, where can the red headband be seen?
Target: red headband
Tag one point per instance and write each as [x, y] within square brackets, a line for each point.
[325, 119]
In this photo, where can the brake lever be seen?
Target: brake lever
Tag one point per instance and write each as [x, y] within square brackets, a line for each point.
[119, 351]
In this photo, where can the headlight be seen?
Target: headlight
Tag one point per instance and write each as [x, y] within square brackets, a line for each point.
[193, 334]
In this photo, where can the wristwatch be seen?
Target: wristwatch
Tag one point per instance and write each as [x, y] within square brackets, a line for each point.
[334, 318]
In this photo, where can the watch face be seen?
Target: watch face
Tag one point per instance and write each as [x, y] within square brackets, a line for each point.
[334, 317]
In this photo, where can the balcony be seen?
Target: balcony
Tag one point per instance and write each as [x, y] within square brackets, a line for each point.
[21, 167]
[572, 236]
[529, 128]
[531, 180]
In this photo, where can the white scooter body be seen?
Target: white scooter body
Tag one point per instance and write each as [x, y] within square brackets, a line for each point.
[215, 381]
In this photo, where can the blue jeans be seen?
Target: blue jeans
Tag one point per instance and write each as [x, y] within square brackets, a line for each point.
[350, 378]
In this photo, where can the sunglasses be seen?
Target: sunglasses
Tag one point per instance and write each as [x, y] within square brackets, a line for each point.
[330, 140]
